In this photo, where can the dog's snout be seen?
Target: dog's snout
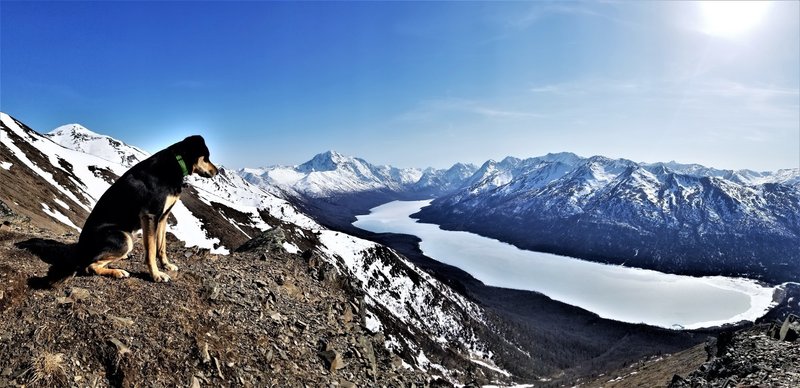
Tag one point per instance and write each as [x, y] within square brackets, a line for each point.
[206, 169]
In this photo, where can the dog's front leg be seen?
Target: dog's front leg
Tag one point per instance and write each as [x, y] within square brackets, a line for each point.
[162, 245]
[149, 237]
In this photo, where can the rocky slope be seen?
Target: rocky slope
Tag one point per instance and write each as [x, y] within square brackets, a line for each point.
[746, 358]
[262, 317]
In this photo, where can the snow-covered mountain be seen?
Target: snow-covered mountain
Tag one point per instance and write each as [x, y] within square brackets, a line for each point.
[54, 186]
[331, 174]
[77, 137]
[443, 181]
[790, 176]
[332, 188]
[667, 216]
[674, 217]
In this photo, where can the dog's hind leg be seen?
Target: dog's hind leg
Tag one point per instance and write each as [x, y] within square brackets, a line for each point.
[161, 233]
[117, 245]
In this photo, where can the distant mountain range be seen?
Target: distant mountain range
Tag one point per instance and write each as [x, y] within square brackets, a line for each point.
[331, 174]
[333, 188]
[677, 218]
[671, 217]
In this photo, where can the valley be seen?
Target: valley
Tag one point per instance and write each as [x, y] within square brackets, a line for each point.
[614, 292]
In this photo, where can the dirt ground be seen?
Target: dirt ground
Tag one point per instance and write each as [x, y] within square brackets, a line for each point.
[240, 320]
[655, 372]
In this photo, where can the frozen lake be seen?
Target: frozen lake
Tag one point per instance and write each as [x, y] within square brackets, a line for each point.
[611, 291]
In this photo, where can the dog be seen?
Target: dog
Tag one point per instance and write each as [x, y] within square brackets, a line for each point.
[142, 198]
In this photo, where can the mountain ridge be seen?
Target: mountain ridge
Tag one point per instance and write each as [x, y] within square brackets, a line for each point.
[698, 222]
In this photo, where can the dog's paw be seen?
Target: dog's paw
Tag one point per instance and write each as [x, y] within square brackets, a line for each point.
[120, 274]
[170, 267]
[160, 277]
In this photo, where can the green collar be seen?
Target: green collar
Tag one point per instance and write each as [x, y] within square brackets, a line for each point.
[182, 164]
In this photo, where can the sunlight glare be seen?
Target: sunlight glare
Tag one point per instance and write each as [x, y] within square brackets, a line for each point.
[731, 18]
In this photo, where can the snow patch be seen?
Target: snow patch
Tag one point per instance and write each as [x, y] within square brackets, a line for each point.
[372, 322]
[6, 165]
[190, 230]
[491, 366]
[426, 364]
[59, 216]
[291, 248]
[392, 344]
[61, 203]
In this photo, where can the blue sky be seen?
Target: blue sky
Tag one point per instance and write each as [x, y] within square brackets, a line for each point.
[411, 83]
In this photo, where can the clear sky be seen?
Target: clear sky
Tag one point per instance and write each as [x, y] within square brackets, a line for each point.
[415, 84]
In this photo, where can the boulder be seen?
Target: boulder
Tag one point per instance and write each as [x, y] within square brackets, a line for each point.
[271, 240]
[790, 329]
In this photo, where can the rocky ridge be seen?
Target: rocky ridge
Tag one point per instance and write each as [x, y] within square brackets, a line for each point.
[259, 317]
[751, 358]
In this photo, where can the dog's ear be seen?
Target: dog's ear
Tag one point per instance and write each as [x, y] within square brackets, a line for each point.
[194, 138]
[197, 144]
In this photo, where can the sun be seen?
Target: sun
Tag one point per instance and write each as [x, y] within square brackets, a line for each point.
[731, 19]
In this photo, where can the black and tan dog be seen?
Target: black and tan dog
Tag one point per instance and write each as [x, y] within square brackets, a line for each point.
[141, 199]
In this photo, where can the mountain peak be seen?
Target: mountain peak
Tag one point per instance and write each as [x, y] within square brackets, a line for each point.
[72, 129]
[326, 161]
[562, 157]
[79, 138]
[510, 161]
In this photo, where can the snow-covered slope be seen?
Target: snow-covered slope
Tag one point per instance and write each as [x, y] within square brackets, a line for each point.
[82, 177]
[419, 316]
[77, 137]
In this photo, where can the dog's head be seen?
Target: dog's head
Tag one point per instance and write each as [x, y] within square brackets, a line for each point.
[194, 152]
